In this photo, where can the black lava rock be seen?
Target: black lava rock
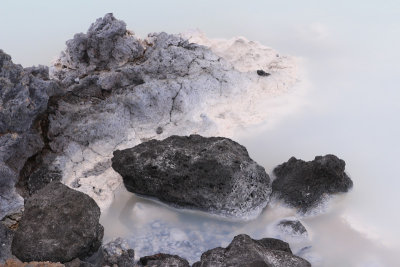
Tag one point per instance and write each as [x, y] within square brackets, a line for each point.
[164, 260]
[303, 185]
[244, 251]
[6, 236]
[275, 244]
[293, 227]
[212, 174]
[59, 224]
[41, 177]
[263, 73]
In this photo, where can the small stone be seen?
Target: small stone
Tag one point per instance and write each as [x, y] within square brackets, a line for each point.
[159, 130]
[263, 73]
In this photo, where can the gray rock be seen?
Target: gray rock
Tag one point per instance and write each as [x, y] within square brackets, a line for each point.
[118, 252]
[293, 227]
[164, 260]
[212, 174]
[23, 94]
[10, 201]
[59, 224]
[244, 251]
[6, 236]
[303, 185]
[275, 244]
[122, 90]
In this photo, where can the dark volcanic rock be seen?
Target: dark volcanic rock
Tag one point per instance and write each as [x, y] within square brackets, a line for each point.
[212, 174]
[118, 252]
[58, 225]
[43, 176]
[275, 244]
[293, 227]
[244, 251]
[262, 73]
[304, 185]
[24, 94]
[164, 260]
[6, 236]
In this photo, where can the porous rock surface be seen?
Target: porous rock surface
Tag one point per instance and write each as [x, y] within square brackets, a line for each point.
[213, 174]
[24, 94]
[304, 185]
[245, 251]
[59, 224]
[292, 227]
[6, 236]
[118, 252]
[163, 260]
[120, 90]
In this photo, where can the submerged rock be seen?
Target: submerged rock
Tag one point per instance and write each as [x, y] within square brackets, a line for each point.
[163, 260]
[118, 252]
[59, 224]
[292, 227]
[244, 251]
[212, 174]
[303, 185]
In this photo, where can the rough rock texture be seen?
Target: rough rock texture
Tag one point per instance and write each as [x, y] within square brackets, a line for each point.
[293, 227]
[120, 90]
[6, 236]
[24, 94]
[58, 225]
[213, 174]
[118, 252]
[244, 251]
[17, 263]
[303, 185]
[164, 260]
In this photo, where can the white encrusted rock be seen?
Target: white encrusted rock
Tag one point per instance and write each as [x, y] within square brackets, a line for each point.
[121, 91]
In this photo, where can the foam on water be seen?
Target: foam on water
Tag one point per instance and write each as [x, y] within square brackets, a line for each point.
[150, 227]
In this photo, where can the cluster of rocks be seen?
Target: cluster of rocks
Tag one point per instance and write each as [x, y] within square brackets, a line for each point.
[89, 122]
[217, 175]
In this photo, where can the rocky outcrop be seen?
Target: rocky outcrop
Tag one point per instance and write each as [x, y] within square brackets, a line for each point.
[164, 260]
[212, 174]
[24, 94]
[120, 90]
[303, 185]
[244, 251]
[58, 225]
